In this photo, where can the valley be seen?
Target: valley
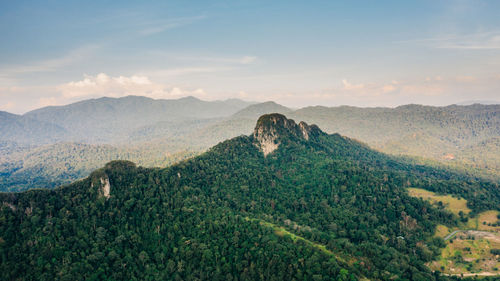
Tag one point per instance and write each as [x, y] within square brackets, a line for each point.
[316, 206]
[250, 140]
[461, 138]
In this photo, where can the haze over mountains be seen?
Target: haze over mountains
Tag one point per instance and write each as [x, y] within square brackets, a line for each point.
[54, 145]
[288, 202]
[106, 120]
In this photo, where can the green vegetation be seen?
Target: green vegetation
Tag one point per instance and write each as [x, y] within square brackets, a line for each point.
[465, 139]
[453, 204]
[461, 137]
[53, 165]
[471, 246]
[305, 201]
[470, 253]
[281, 231]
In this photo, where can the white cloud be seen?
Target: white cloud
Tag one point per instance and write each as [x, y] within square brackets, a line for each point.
[348, 86]
[7, 106]
[105, 85]
[248, 59]
[243, 94]
[466, 79]
[388, 88]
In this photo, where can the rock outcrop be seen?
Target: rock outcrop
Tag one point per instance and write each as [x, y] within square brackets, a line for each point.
[271, 129]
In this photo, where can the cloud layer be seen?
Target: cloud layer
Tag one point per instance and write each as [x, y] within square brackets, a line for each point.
[432, 90]
[105, 85]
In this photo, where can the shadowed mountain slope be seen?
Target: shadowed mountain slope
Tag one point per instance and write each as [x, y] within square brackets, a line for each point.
[315, 207]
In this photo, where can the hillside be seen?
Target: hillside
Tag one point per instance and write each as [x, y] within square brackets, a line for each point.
[456, 125]
[52, 165]
[254, 111]
[22, 129]
[463, 138]
[288, 202]
[108, 120]
[456, 136]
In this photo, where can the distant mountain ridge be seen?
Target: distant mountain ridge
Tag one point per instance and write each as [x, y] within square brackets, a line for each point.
[485, 102]
[256, 110]
[16, 128]
[457, 136]
[108, 120]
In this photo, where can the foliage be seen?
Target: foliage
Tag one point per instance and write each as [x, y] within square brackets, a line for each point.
[463, 138]
[214, 217]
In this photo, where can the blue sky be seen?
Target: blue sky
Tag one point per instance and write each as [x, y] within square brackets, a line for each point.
[298, 53]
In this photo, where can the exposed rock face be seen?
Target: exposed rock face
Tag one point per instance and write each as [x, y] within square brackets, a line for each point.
[271, 128]
[11, 206]
[268, 142]
[105, 186]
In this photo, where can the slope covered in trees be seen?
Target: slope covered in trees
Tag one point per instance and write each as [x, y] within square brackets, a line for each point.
[108, 120]
[16, 128]
[316, 207]
[464, 138]
[49, 166]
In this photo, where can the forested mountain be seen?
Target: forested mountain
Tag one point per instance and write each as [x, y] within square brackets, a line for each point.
[288, 202]
[461, 137]
[453, 125]
[52, 165]
[19, 128]
[454, 135]
[254, 111]
[446, 134]
[108, 120]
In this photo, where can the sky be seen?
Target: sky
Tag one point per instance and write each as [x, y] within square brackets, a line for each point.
[297, 53]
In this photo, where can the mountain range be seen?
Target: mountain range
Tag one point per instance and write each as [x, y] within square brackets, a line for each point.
[287, 202]
[55, 145]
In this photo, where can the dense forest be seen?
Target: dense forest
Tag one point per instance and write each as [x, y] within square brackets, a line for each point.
[315, 207]
[85, 135]
[49, 166]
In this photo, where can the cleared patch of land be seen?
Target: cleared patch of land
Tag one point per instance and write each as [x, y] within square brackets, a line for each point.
[472, 248]
[470, 253]
[486, 221]
[280, 231]
[442, 231]
[453, 204]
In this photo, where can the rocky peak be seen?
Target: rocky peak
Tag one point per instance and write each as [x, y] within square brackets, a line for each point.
[271, 128]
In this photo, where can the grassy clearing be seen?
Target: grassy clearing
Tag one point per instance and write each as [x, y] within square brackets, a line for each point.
[280, 231]
[453, 204]
[469, 253]
[485, 221]
[442, 231]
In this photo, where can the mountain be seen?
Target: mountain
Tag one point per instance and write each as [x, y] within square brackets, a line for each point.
[419, 131]
[240, 123]
[288, 202]
[460, 137]
[107, 120]
[255, 110]
[456, 125]
[49, 166]
[24, 129]
[416, 130]
[471, 102]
